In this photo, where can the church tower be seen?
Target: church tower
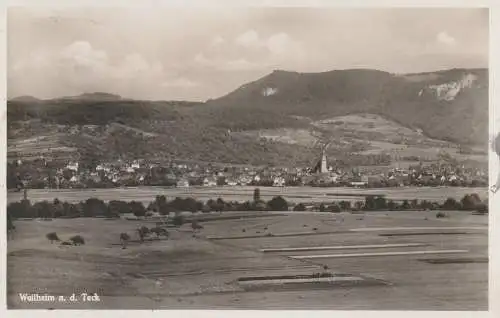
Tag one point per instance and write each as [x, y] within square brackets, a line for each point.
[321, 165]
[324, 166]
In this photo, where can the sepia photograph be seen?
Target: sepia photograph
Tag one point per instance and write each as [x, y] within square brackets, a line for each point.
[264, 158]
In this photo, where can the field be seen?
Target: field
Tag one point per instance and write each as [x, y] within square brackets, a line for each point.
[293, 194]
[369, 134]
[382, 261]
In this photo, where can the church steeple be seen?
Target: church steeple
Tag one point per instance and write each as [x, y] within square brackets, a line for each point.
[324, 166]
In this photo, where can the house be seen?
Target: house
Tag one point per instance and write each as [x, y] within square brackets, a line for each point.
[183, 183]
[135, 165]
[72, 166]
[130, 170]
[359, 184]
[278, 182]
[244, 180]
[209, 182]
[96, 178]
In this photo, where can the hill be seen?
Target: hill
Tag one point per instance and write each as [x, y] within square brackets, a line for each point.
[449, 105]
[275, 120]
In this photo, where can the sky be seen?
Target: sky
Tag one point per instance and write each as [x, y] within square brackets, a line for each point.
[198, 54]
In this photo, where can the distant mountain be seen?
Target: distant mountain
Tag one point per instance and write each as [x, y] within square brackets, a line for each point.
[450, 105]
[97, 96]
[25, 99]
[273, 120]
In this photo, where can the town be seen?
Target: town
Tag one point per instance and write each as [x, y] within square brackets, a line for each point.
[44, 174]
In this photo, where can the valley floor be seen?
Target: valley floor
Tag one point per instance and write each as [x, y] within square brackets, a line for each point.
[401, 261]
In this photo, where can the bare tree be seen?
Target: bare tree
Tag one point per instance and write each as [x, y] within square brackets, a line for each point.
[124, 238]
[52, 237]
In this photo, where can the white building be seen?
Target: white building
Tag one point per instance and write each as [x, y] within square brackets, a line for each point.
[130, 170]
[279, 182]
[209, 182]
[72, 166]
[183, 183]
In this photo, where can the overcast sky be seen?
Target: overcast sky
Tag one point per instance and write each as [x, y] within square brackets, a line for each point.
[198, 54]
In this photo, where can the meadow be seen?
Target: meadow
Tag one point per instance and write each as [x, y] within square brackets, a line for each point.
[442, 263]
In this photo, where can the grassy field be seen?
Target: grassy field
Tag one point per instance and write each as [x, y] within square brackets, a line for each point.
[293, 194]
[372, 134]
[196, 272]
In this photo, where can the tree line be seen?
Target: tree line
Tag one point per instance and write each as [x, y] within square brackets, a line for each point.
[470, 202]
[94, 207]
[98, 208]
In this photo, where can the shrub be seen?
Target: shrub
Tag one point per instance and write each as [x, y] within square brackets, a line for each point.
[299, 207]
[52, 237]
[94, 207]
[277, 204]
[205, 209]
[116, 207]
[43, 209]
[20, 209]
[143, 232]
[470, 201]
[334, 207]
[77, 240]
[124, 237]
[345, 205]
[137, 208]
[322, 208]
[482, 208]
[451, 204]
[441, 214]
[380, 203]
[370, 203]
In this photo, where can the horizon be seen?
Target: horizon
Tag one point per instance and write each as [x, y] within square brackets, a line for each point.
[191, 54]
[204, 101]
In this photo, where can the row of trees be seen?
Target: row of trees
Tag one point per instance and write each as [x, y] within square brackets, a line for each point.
[470, 202]
[97, 208]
